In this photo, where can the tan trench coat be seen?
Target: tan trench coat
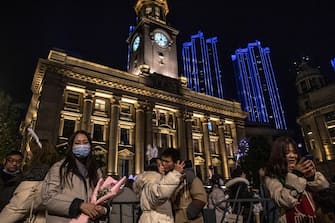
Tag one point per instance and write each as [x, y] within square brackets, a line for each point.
[58, 200]
[20, 204]
[155, 191]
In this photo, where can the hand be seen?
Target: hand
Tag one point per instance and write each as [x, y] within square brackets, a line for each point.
[101, 209]
[306, 167]
[310, 169]
[179, 166]
[90, 209]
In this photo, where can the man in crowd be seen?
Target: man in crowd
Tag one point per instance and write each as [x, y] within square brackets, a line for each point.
[10, 176]
[190, 197]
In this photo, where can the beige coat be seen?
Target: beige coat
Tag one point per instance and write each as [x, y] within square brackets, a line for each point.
[26, 196]
[58, 200]
[216, 200]
[183, 197]
[155, 190]
[286, 196]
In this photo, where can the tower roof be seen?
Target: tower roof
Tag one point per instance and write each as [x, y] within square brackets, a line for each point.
[306, 71]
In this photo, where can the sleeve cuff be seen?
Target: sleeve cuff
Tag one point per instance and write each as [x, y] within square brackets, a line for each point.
[74, 210]
[298, 173]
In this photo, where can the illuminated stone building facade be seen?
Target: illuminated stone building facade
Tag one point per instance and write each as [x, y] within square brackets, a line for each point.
[128, 112]
[316, 112]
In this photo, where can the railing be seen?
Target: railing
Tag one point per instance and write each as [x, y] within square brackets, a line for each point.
[125, 212]
[258, 210]
[129, 212]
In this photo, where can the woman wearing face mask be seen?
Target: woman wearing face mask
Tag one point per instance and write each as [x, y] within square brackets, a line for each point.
[69, 184]
[292, 181]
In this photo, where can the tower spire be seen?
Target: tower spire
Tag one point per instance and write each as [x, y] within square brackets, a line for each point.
[153, 9]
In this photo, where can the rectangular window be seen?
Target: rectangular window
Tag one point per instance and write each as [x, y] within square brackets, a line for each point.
[73, 98]
[227, 130]
[124, 167]
[330, 116]
[331, 132]
[69, 127]
[124, 136]
[229, 150]
[162, 119]
[165, 140]
[195, 123]
[210, 126]
[212, 147]
[154, 121]
[125, 113]
[170, 122]
[98, 132]
[196, 148]
[100, 105]
[157, 11]
[148, 10]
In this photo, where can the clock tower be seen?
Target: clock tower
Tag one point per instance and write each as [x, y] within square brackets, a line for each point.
[152, 42]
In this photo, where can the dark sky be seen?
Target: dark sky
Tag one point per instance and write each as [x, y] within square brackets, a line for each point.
[97, 31]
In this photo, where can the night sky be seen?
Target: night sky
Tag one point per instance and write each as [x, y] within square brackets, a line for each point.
[97, 31]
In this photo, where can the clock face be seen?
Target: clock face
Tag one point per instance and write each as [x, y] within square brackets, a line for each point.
[136, 43]
[161, 39]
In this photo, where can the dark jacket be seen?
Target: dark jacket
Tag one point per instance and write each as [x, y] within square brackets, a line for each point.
[244, 193]
[8, 184]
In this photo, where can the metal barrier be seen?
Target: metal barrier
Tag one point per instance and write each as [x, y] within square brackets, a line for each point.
[129, 212]
[255, 210]
[125, 212]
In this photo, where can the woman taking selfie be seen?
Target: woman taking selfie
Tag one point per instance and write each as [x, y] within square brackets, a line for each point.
[291, 181]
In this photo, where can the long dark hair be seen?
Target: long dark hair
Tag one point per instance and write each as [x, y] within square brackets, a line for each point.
[153, 165]
[69, 166]
[277, 163]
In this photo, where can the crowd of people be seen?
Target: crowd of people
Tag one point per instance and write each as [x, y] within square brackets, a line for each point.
[167, 191]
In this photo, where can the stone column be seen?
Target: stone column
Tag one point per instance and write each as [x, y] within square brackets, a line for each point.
[322, 151]
[113, 132]
[181, 136]
[139, 138]
[208, 160]
[189, 138]
[234, 136]
[223, 150]
[148, 125]
[87, 110]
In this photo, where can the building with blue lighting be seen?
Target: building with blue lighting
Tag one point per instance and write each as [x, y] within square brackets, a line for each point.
[332, 62]
[201, 65]
[257, 86]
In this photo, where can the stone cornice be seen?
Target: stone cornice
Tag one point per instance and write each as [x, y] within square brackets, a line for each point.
[38, 77]
[315, 112]
[134, 85]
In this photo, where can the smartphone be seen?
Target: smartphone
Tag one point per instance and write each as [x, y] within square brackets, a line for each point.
[308, 157]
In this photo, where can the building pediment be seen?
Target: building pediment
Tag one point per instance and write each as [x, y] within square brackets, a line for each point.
[126, 153]
[198, 160]
[100, 150]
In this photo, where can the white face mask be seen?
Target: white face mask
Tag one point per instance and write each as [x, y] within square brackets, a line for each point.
[81, 151]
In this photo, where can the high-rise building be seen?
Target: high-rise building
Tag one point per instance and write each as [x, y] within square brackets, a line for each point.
[332, 62]
[257, 86]
[201, 65]
[130, 112]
